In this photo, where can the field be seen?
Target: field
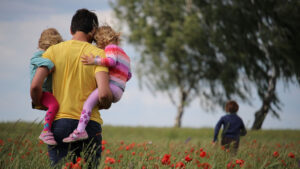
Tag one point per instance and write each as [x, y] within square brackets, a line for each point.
[140, 148]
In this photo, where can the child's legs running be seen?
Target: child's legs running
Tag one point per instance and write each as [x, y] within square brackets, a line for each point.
[49, 101]
[116, 91]
[88, 106]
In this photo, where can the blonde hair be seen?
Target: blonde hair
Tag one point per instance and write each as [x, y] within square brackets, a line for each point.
[48, 38]
[105, 35]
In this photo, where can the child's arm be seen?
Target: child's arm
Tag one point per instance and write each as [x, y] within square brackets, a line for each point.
[217, 129]
[243, 130]
[92, 60]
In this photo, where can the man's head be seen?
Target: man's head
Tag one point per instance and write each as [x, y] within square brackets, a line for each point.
[231, 107]
[84, 21]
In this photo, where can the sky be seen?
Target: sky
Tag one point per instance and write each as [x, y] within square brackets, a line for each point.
[21, 23]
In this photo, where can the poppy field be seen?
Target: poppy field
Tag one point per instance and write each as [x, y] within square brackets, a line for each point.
[153, 148]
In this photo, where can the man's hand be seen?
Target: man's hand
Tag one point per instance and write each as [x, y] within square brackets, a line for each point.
[105, 95]
[36, 85]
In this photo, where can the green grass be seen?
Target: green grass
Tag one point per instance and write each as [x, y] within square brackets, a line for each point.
[135, 147]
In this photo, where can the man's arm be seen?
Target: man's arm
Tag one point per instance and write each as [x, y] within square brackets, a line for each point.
[37, 83]
[105, 95]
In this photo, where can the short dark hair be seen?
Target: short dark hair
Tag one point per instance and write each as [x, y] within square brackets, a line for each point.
[84, 20]
[231, 106]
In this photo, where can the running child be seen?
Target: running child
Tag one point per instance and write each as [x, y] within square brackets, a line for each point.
[233, 127]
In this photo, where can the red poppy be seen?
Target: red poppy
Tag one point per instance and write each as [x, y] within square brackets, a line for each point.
[179, 165]
[104, 142]
[80, 160]
[107, 167]
[291, 155]
[230, 165]
[107, 151]
[1, 142]
[283, 162]
[127, 148]
[206, 166]
[133, 153]
[109, 160]
[76, 166]
[202, 154]
[69, 165]
[103, 147]
[166, 159]
[188, 158]
[41, 142]
[275, 154]
[240, 162]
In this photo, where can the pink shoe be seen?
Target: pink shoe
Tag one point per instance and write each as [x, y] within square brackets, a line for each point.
[75, 136]
[47, 138]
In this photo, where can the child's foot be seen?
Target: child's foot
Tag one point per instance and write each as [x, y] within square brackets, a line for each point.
[75, 136]
[47, 137]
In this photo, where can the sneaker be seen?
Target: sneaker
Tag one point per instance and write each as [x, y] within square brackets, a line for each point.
[47, 137]
[75, 136]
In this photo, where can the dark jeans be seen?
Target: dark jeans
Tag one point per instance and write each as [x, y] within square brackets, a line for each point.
[91, 147]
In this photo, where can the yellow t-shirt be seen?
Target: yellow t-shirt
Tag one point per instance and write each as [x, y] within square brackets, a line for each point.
[73, 81]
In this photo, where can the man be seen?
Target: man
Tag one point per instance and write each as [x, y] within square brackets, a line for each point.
[72, 84]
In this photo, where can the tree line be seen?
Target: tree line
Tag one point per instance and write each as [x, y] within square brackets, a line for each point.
[215, 50]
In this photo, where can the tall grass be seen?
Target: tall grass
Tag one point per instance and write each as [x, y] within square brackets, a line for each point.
[146, 147]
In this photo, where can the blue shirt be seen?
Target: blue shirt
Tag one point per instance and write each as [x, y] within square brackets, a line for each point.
[37, 61]
[233, 127]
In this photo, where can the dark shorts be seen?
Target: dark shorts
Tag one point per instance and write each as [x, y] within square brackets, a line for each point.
[228, 142]
[91, 147]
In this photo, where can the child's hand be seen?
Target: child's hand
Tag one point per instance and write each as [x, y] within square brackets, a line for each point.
[88, 60]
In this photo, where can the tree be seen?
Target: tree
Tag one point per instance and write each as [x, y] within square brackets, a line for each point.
[260, 37]
[177, 57]
[215, 50]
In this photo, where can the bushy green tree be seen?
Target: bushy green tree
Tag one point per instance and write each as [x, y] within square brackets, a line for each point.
[213, 50]
[177, 57]
[260, 37]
